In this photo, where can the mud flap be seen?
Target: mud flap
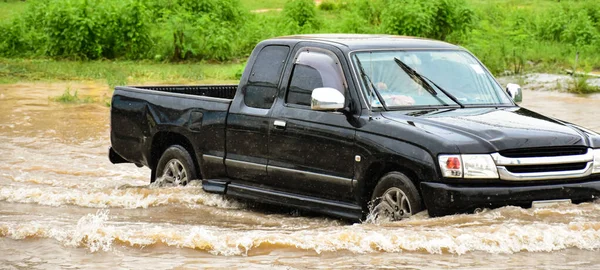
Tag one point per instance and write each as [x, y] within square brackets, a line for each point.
[115, 158]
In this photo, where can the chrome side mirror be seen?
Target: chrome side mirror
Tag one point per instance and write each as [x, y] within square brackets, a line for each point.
[327, 99]
[514, 90]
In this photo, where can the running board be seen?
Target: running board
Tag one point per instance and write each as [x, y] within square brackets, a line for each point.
[335, 208]
[215, 185]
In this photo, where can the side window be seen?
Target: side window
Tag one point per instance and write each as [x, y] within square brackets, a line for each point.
[304, 80]
[314, 68]
[264, 76]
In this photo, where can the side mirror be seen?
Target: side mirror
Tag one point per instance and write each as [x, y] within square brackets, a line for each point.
[327, 99]
[514, 90]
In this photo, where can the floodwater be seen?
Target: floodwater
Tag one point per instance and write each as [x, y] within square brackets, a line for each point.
[64, 205]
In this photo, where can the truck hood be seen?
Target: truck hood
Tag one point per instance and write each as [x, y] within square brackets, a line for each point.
[486, 130]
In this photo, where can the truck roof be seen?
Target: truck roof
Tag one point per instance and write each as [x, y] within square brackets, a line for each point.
[354, 42]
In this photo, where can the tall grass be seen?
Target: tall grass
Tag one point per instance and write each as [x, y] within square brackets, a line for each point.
[262, 4]
[116, 72]
[579, 85]
[519, 35]
[74, 98]
[513, 36]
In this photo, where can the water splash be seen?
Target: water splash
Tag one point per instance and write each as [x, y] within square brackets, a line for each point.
[123, 197]
[95, 232]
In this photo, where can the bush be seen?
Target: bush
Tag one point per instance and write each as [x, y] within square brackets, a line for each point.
[203, 29]
[490, 46]
[80, 29]
[223, 10]
[302, 13]
[131, 36]
[580, 31]
[574, 24]
[14, 42]
[451, 16]
[505, 36]
[259, 27]
[433, 19]
[328, 5]
[83, 29]
[411, 17]
[354, 22]
[551, 25]
[369, 10]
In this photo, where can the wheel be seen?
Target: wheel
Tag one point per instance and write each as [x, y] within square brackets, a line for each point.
[175, 166]
[395, 197]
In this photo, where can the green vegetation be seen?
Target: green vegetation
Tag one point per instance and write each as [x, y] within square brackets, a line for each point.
[301, 13]
[514, 36]
[262, 4]
[11, 9]
[69, 98]
[579, 85]
[328, 5]
[115, 72]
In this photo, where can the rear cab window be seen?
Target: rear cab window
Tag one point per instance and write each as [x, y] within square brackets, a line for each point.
[265, 75]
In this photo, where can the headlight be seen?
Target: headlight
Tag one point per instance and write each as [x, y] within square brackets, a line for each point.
[596, 165]
[479, 166]
[469, 166]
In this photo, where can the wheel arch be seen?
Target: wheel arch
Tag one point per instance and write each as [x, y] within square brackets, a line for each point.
[415, 171]
[165, 139]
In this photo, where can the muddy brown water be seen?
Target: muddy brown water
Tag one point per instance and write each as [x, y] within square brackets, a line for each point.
[64, 205]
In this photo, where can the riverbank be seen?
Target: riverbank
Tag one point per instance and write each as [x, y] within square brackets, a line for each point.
[70, 79]
[116, 72]
[555, 82]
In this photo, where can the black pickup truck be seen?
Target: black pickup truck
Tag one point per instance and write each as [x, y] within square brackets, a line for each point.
[348, 124]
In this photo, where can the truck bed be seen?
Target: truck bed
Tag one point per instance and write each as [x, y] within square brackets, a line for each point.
[141, 115]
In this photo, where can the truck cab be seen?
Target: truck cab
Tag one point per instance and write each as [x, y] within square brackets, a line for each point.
[352, 124]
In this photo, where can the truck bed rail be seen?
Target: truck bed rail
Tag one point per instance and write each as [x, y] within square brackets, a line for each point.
[216, 91]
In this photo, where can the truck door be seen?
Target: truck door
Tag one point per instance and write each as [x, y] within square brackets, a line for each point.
[248, 119]
[311, 152]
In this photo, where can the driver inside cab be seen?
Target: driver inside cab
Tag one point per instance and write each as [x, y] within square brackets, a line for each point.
[396, 87]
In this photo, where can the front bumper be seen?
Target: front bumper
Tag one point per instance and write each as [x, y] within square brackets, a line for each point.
[446, 199]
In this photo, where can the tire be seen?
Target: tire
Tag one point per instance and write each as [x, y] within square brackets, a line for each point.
[175, 166]
[403, 199]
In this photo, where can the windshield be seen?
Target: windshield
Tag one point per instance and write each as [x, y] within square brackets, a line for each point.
[457, 73]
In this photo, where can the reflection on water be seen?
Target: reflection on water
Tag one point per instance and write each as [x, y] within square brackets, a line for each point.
[59, 192]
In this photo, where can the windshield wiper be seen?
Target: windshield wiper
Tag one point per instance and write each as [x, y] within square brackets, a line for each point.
[418, 78]
[366, 78]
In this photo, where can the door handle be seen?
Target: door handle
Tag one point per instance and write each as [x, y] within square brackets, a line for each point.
[279, 124]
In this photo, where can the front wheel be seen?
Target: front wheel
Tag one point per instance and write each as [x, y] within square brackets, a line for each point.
[175, 166]
[395, 197]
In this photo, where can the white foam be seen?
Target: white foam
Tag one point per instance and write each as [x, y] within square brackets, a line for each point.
[133, 197]
[92, 231]
[96, 233]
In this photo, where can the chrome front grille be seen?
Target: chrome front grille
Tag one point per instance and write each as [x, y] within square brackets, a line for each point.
[545, 152]
[552, 166]
[547, 168]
